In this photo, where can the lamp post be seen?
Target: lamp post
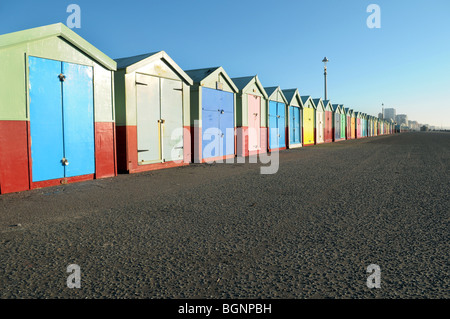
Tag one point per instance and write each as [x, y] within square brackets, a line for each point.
[325, 60]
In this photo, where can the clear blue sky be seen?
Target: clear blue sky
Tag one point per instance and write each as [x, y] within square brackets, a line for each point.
[405, 64]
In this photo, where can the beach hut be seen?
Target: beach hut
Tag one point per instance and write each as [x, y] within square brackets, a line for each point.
[366, 125]
[328, 122]
[295, 106]
[375, 126]
[56, 109]
[353, 124]
[337, 112]
[276, 119]
[369, 126]
[343, 122]
[152, 113]
[362, 125]
[348, 123]
[213, 106]
[251, 112]
[309, 121]
[320, 120]
[358, 116]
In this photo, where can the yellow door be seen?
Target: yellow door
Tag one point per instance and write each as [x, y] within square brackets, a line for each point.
[308, 126]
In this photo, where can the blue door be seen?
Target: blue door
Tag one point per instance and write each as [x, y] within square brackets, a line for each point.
[277, 125]
[217, 123]
[61, 119]
[294, 125]
[78, 106]
[46, 127]
[273, 125]
[281, 110]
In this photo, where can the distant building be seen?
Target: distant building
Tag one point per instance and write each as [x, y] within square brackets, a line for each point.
[402, 119]
[389, 114]
[414, 126]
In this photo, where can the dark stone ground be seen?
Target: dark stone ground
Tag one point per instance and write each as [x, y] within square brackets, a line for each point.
[226, 231]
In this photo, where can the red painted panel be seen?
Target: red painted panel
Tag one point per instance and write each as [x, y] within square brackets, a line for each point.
[241, 141]
[62, 181]
[127, 158]
[157, 166]
[217, 158]
[132, 154]
[14, 166]
[187, 149]
[105, 155]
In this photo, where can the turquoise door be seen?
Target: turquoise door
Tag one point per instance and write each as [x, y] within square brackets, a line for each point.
[342, 126]
[61, 119]
[78, 119]
[46, 127]
[277, 125]
[294, 125]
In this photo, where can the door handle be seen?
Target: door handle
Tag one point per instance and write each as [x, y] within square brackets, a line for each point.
[65, 161]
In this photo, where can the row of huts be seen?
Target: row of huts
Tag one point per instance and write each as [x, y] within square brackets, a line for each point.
[70, 113]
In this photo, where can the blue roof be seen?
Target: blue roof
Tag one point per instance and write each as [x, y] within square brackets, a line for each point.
[317, 101]
[335, 107]
[289, 94]
[242, 81]
[199, 74]
[125, 62]
[305, 98]
[270, 90]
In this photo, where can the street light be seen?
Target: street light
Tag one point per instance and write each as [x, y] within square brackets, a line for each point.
[325, 60]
